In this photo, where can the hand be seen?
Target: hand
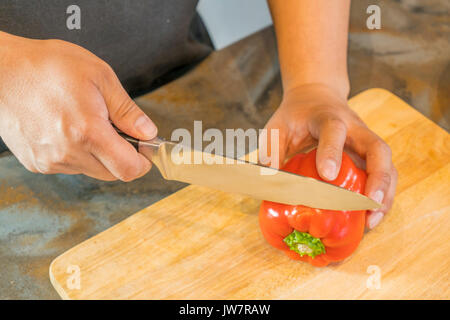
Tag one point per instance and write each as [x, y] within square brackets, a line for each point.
[56, 100]
[316, 112]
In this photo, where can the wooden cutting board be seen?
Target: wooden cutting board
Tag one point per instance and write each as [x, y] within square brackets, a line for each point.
[204, 244]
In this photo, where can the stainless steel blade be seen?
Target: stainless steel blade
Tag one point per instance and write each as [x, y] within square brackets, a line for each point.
[247, 178]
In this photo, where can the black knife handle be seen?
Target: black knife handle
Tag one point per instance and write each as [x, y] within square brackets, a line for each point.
[134, 142]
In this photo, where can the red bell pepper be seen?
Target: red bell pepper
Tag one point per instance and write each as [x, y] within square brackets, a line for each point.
[313, 235]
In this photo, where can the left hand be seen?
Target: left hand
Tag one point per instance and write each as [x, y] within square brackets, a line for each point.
[315, 112]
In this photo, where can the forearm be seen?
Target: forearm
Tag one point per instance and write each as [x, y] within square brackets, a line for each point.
[312, 42]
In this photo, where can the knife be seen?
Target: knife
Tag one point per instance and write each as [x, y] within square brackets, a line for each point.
[245, 178]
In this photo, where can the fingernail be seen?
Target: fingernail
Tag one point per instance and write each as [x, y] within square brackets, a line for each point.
[329, 171]
[377, 196]
[145, 127]
[375, 218]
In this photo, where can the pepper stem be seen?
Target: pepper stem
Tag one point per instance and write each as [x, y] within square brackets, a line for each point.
[304, 243]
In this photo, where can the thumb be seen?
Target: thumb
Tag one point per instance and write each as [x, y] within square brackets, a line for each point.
[125, 113]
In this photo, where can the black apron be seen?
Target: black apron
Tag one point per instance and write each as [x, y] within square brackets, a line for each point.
[146, 42]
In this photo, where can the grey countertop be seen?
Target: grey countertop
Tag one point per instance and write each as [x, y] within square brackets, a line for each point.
[237, 87]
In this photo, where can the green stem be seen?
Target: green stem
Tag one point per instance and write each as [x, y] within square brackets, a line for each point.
[304, 243]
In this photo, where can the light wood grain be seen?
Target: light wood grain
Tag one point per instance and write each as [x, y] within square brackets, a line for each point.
[204, 244]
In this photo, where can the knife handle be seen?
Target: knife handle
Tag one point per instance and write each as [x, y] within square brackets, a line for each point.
[134, 142]
[150, 149]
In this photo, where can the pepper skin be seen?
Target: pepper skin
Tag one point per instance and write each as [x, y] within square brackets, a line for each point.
[313, 235]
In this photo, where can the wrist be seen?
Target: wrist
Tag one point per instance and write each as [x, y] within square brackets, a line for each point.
[339, 88]
[324, 91]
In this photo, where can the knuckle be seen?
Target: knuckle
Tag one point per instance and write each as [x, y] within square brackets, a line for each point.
[80, 133]
[394, 172]
[331, 150]
[44, 167]
[33, 170]
[125, 108]
[106, 71]
[58, 42]
[54, 43]
[39, 161]
[337, 125]
[384, 178]
[61, 158]
[26, 161]
[129, 172]
[382, 147]
[30, 168]
[324, 116]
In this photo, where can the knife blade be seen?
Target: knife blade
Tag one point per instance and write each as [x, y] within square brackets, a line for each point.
[239, 176]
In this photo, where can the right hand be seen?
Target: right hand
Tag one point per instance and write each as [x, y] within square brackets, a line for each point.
[56, 103]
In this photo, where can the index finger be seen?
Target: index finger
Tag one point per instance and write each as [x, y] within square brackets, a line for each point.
[379, 165]
[116, 154]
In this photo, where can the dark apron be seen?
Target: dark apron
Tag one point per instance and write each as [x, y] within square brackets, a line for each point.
[146, 42]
